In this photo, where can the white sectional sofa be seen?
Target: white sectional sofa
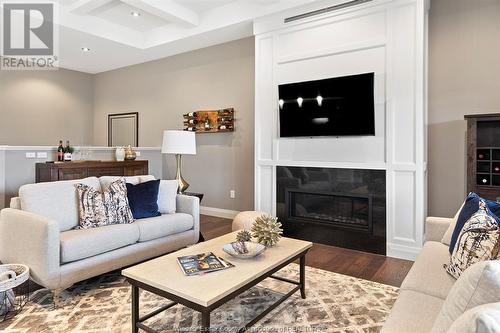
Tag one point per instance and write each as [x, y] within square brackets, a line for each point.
[426, 286]
[39, 231]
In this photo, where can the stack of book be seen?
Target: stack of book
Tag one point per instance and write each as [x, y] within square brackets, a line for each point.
[202, 263]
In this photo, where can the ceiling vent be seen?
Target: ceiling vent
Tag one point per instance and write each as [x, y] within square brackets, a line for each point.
[325, 10]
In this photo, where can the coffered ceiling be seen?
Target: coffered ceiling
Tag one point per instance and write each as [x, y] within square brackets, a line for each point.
[119, 33]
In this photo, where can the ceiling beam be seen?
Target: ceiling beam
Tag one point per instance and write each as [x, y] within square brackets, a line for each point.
[84, 7]
[166, 9]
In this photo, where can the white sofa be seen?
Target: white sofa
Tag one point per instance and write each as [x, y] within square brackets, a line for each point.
[38, 231]
[426, 286]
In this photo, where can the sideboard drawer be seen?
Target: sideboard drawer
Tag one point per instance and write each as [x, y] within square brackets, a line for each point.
[72, 173]
[99, 172]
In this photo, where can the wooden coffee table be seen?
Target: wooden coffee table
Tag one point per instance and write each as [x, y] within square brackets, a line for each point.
[205, 293]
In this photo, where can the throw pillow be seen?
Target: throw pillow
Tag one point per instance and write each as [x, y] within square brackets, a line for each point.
[478, 241]
[92, 212]
[478, 285]
[167, 196]
[470, 206]
[117, 204]
[481, 319]
[143, 199]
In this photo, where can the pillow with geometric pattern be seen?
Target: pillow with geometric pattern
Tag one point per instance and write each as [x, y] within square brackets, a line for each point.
[479, 240]
[91, 209]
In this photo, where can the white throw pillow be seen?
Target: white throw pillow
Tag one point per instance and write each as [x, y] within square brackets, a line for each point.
[479, 284]
[481, 319]
[167, 196]
[449, 232]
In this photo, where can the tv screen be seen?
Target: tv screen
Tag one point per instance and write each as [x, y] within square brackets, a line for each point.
[339, 106]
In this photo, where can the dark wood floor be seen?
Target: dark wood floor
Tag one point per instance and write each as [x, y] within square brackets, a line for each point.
[363, 265]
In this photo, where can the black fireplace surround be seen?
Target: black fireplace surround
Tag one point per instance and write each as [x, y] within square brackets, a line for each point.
[340, 207]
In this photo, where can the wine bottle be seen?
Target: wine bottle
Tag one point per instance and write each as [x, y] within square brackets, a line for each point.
[190, 129]
[60, 152]
[191, 121]
[207, 123]
[190, 115]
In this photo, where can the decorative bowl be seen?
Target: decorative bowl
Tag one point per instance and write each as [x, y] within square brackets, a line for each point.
[244, 250]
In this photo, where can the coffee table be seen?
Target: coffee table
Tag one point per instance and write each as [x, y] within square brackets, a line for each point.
[205, 293]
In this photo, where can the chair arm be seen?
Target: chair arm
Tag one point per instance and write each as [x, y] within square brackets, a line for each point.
[189, 205]
[436, 227]
[32, 240]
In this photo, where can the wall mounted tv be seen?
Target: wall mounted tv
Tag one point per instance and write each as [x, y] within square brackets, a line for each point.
[340, 106]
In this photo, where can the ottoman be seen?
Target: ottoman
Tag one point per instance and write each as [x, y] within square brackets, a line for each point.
[244, 220]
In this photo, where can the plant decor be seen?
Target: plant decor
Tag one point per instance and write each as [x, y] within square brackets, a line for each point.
[267, 230]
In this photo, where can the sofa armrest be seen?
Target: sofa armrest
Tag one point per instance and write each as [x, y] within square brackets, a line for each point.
[32, 240]
[189, 205]
[435, 227]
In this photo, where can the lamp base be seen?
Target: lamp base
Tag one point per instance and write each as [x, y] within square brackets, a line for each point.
[182, 183]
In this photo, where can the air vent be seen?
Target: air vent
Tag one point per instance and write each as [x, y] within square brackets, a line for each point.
[325, 10]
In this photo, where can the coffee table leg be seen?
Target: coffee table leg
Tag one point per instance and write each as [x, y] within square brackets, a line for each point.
[135, 308]
[205, 322]
[303, 276]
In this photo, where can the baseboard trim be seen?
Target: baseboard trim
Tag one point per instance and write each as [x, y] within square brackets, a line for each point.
[218, 212]
[403, 251]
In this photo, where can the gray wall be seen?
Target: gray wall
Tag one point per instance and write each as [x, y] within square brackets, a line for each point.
[42, 107]
[464, 78]
[161, 91]
[16, 170]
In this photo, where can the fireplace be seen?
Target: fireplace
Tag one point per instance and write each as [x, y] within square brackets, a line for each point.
[341, 207]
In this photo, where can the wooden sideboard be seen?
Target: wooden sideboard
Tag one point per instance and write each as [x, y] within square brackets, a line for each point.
[48, 172]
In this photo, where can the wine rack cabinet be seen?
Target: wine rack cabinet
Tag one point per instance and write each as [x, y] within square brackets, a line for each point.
[483, 155]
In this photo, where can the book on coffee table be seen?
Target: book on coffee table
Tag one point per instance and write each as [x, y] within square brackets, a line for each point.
[202, 263]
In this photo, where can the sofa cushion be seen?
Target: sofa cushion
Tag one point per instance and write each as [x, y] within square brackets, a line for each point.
[116, 202]
[143, 199]
[81, 244]
[57, 201]
[476, 242]
[413, 312]
[478, 285]
[470, 207]
[92, 212]
[167, 196]
[427, 274]
[107, 180]
[449, 232]
[164, 225]
[483, 318]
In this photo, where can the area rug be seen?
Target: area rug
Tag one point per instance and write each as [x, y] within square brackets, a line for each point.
[335, 303]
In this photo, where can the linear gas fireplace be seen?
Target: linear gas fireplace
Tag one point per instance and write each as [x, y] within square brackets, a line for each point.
[341, 207]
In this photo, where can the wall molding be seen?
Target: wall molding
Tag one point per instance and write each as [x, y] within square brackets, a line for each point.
[218, 212]
[53, 148]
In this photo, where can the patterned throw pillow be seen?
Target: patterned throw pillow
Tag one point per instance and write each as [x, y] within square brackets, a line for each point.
[479, 240]
[92, 212]
[116, 203]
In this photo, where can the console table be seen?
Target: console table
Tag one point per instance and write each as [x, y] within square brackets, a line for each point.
[49, 172]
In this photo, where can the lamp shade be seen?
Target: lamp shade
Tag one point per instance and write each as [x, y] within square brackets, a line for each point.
[178, 142]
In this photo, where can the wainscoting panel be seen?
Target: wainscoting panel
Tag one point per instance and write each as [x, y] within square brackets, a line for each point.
[388, 37]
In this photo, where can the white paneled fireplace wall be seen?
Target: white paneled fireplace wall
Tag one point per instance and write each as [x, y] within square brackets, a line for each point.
[387, 37]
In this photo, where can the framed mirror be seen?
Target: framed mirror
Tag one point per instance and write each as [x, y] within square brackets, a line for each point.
[123, 129]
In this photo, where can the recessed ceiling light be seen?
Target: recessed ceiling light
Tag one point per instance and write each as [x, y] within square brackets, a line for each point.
[135, 14]
[85, 49]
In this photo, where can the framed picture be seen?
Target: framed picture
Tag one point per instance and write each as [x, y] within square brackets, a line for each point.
[123, 129]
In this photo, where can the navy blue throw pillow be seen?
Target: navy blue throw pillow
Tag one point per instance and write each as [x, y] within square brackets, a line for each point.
[143, 199]
[470, 207]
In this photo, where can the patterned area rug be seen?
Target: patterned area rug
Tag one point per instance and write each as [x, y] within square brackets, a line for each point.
[335, 303]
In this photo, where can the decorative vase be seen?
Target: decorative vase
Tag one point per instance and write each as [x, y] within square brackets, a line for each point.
[130, 154]
[120, 154]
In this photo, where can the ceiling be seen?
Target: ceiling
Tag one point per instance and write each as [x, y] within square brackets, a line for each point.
[159, 28]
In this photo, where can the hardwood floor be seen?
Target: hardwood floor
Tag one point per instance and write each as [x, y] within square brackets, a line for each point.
[362, 265]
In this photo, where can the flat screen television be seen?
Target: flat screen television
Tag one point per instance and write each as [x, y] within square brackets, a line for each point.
[340, 106]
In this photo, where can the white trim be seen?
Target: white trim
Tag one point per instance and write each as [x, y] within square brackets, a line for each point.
[403, 251]
[22, 148]
[218, 212]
